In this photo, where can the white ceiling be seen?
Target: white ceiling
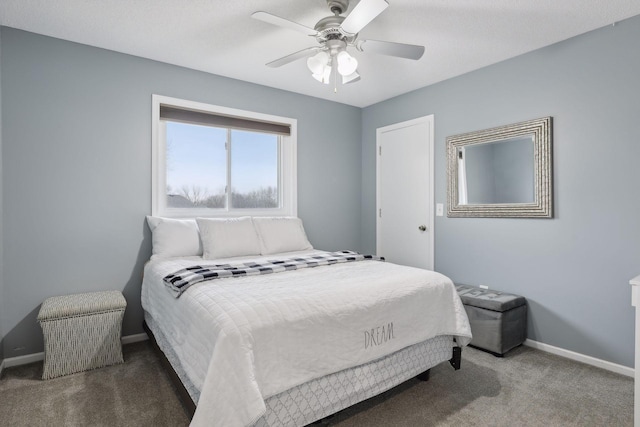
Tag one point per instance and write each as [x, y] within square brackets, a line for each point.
[220, 37]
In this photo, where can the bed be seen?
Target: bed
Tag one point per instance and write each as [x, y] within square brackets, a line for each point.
[295, 334]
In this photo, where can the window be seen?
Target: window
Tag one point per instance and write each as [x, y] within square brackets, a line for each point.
[216, 161]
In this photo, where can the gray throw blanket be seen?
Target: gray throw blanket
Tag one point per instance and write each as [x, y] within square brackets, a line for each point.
[181, 280]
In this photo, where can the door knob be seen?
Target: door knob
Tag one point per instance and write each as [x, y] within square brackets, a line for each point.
[422, 228]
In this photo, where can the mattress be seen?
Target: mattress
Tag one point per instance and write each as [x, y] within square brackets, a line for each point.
[243, 340]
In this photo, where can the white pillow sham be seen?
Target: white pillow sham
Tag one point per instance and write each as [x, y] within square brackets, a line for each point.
[228, 237]
[281, 234]
[174, 237]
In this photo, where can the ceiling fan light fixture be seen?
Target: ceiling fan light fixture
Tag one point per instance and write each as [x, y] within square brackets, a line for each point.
[347, 64]
[324, 76]
[318, 62]
[351, 78]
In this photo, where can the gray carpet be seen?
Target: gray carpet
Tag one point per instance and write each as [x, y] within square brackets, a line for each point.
[526, 388]
[136, 393]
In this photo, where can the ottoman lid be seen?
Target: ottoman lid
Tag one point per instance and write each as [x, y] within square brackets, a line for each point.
[489, 299]
[81, 304]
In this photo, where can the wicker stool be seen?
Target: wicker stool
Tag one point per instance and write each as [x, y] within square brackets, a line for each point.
[81, 332]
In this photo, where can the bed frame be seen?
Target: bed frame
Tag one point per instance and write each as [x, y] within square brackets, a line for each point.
[183, 394]
[190, 406]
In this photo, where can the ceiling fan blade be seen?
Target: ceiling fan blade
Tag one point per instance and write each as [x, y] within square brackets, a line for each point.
[362, 14]
[292, 57]
[401, 50]
[285, 23]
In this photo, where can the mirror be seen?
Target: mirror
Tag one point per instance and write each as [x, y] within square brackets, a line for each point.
[501, 172]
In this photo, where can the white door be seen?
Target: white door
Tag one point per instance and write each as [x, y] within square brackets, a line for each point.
[405, 193]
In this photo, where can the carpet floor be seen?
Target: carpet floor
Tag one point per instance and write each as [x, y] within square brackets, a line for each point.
[526, 388]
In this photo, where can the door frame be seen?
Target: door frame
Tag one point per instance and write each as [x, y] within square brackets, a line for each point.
[430, 141]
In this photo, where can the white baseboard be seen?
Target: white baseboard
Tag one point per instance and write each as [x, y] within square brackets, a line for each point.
[578, 357]
[23, 360]
[130, 339]
[599, 363]
[37, 357]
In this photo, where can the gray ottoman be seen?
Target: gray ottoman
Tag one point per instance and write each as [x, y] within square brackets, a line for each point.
[498, 320]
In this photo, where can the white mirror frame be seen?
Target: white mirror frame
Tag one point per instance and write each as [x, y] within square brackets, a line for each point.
[541, 130]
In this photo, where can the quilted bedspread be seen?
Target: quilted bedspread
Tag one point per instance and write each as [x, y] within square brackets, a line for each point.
[243, 339]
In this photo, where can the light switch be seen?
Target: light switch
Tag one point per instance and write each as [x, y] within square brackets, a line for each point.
[439, 209]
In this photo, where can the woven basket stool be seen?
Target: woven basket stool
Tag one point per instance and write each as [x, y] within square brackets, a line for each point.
[81, 332]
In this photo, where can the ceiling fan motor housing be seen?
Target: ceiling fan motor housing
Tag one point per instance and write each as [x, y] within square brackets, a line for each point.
[329, 29]
[335, 46]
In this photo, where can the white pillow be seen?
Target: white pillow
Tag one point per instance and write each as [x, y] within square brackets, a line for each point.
[174, 237]
[228, 237]
[281, 234]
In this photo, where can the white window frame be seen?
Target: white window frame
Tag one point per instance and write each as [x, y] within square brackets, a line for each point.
[287, 174]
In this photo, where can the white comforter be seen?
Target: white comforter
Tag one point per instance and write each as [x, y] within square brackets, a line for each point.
[244, 339]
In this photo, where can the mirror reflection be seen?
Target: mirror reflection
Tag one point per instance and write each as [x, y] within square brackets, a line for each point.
[497, 172]
[501, 172]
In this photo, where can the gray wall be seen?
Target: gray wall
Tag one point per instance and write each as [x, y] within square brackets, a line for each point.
[2, 302]
[77, 169]
[573, 269]
[76, 145]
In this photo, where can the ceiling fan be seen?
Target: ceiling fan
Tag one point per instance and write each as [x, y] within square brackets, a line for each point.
[337, 33]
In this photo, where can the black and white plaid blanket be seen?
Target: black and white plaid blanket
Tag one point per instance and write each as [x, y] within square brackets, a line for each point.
[181, 280]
